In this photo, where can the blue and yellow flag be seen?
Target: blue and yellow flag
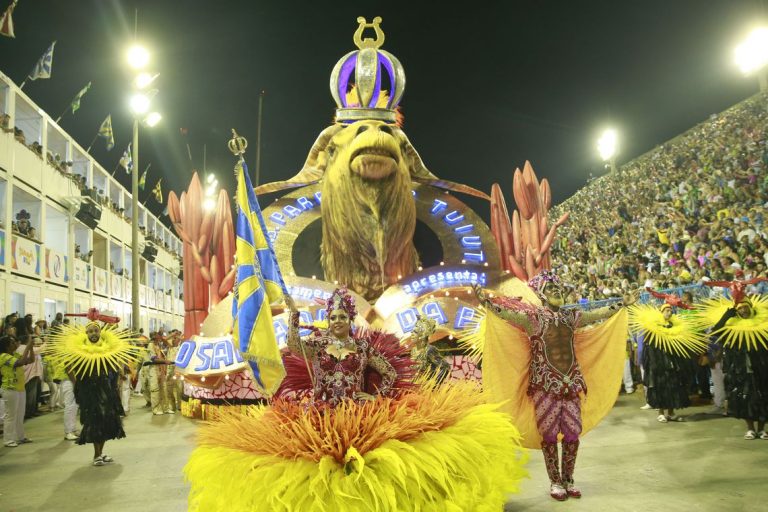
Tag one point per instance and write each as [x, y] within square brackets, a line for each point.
[105, 132]
[259, 283]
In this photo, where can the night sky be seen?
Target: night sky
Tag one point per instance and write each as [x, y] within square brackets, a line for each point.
[489, 85]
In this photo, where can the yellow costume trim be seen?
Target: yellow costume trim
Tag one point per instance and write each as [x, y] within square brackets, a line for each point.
[684, 338]
[750, 333]
[506, 352]
[70, 347]
[431, 450]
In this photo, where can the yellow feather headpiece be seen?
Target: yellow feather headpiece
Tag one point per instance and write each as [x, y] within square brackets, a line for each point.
[71, 348]
[683, 338]
[751, 333]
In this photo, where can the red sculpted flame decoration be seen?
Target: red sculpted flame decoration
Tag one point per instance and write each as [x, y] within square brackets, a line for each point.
[524, 239]
[209, 248]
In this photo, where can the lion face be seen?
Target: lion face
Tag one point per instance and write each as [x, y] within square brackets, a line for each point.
[370, 149]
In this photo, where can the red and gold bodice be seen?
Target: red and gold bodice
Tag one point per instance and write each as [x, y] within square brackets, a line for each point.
[554, 368]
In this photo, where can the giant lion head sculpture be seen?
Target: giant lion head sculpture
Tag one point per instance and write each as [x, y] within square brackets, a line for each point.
[368, 212]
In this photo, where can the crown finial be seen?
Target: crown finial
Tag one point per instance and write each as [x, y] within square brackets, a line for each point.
[368, 42]
[237, 144]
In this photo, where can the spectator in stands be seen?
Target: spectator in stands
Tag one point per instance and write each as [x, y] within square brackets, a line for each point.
[22, 222]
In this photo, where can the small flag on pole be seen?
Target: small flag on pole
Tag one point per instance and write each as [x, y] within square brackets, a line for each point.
[76, 101]
[126, 161]
[6, 22]
[143, 179]
[44, 66]
[105, 131]
[158, 191]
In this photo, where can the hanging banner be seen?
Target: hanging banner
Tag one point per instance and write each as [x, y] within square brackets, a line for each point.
[25, 255]
[56, 266]
[100, 280]
[116, 286]
[81, 276]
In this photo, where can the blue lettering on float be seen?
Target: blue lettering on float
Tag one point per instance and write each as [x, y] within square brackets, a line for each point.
[453, 218]
[292, 211]
[449, 278]
[437, 206]
[434, 311]
[222, 353]
[407, 319]
[464, 229]
[464, 317]
[478, 257]
[304, 203]
[203, 353]
[318, 196]
[471, 242]
[184, 356]
[278, 218]
[281, 330]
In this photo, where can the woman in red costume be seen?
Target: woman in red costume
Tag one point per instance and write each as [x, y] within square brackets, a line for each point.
[339, 361]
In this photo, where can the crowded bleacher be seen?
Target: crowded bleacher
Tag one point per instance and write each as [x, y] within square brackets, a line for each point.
[688, 211]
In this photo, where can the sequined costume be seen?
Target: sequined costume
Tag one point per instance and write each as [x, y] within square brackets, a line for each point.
[553, 379]
[339, 379]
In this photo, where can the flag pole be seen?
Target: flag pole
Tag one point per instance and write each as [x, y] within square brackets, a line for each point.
[258, 138]
[88, 151]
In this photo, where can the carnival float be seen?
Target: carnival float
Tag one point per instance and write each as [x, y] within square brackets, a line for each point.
[358, 213]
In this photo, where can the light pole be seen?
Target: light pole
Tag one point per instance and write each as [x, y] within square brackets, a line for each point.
[752, 56]
[607, 146]
[138, 58]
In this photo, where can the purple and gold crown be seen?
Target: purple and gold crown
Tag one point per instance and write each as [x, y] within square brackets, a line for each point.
[366, 69]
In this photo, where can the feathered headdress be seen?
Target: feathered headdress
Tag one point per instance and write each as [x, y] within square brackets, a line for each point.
[341, 299]
[540, 281]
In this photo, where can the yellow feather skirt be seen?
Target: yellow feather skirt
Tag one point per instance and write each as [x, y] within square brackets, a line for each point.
[433, 449]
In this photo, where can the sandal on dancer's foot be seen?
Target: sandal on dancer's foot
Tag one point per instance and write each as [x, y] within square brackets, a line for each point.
[661, 418]
[107, 458]
[762, 434]
[558, 492]
[750, 435]
[572, 490]
[676, 418]
[98, 461]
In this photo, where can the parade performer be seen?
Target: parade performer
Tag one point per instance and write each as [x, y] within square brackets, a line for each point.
[669, 342]
[93, 357]
[740, 326]
[431, 365]
[542, 362]
[357, 434]
[156, 366]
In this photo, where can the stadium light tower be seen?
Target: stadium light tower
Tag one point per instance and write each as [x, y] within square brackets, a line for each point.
[139, 104]
[607, 146]
[751, 56]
